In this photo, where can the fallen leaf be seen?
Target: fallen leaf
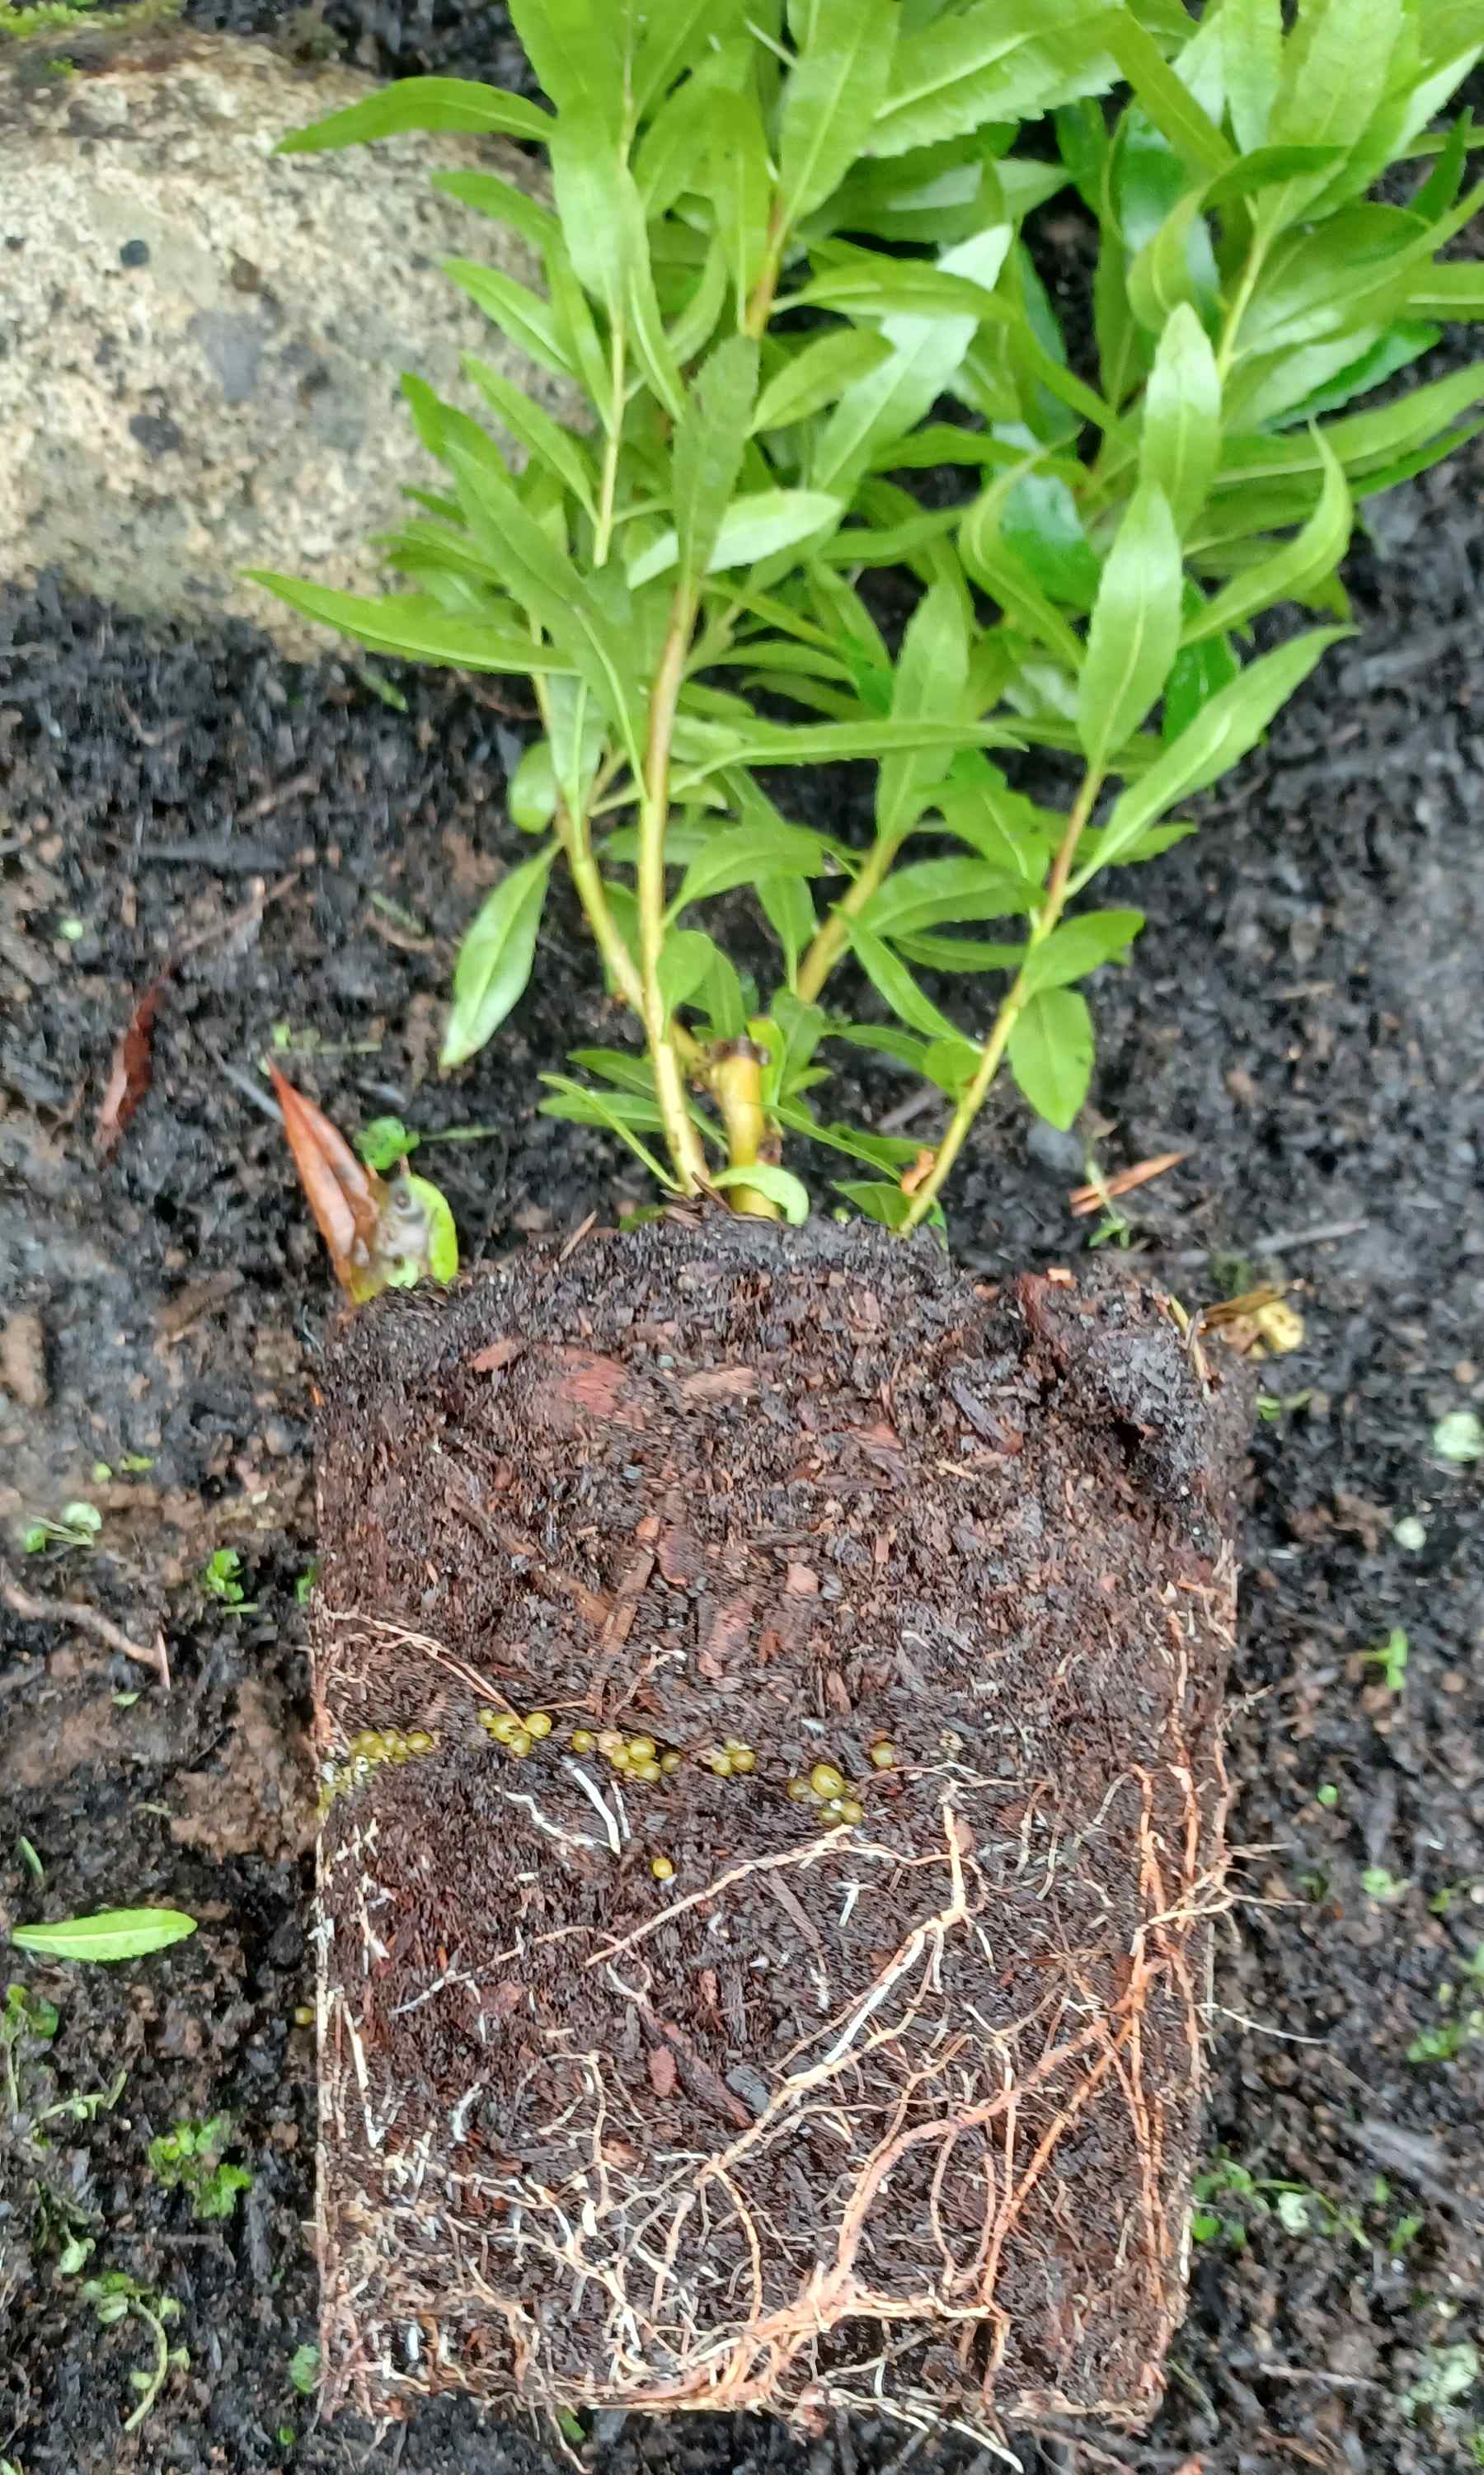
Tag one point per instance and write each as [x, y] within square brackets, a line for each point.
[132, 1069]
[344, 1195]
[661, 2070]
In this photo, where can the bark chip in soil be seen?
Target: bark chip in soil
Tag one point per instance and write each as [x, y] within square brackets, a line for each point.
[768, 1690]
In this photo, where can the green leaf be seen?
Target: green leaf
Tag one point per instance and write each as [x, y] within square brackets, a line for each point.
[928, 684]
[868, 283]
[996, 59]
[579, 736]
[438, 1257]
[503, 201]
[741, 185]
[1294, 573]
[578, 51]
[114, 1933]
[414, 626]
[1051, 1054]
[879, 1151]
[1230, 724]
[1252, 39]
[885, 1204]
[495, 959]
[620, 1066]
[1335, 70]
[686, 960]
[1395, 349]
[1007, 580]
[581, 1107]
[1079, 946]
[1009, 831]
[892, 980]
[1362, 440]
[679, 36]
[743, 854]
[1455, 290]
[1167, 102]
[779, 1184]
[1180, 438]
[535, 431]
[1199, 672]
[755, 527]
[926, 352]
[1041, 523]
[1134, 631]
[422, 103]
[710, 442]
[532, 324]
[831, 100]
[817, 376]
[938, 891]
[788, 906]
[577, 611]
[828, 742]
[1177, 265]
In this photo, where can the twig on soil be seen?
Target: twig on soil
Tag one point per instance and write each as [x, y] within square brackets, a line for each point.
[1283, 1242]
[88, 1619]
[1086, 1199]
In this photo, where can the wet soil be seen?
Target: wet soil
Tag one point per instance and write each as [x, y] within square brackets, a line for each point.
[1303, 1023]
[886, 2085]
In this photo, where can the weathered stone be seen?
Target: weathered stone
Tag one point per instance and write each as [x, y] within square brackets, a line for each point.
[201, 343]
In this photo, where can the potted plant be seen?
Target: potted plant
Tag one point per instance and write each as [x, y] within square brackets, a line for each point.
[768, 1683]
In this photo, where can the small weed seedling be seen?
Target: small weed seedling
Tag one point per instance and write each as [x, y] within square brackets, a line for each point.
[304, 2369]
[1298, 2208]
[1390, 1657]
[77, 1526]
[221, 1580]
[27, 2020]
[116, 2297]
[190, 2158]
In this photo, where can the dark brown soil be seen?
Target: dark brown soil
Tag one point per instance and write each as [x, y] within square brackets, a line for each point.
[903, 2111]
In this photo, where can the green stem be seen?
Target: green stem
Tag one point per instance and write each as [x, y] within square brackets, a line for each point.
[1241, 303]
[832, 938]
[161, 2365]
[736, 1081]
[759, 308]
[681, 1138]
[991, 1056]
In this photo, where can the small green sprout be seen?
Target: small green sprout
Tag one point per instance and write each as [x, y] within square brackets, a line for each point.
[24, 2015]
[1378, 1883]
[304, 2369]
[385, 1142]
[1459, 1437]
[220, 1579]
[30, 1859]
[1391, 1658]
[115, 2298]
[189, 2158]
[1327, 1796]
[1448, 2373]
[304, 1587]
[78, 1526]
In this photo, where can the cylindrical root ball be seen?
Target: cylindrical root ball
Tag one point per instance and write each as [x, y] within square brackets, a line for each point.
[832, 2080]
